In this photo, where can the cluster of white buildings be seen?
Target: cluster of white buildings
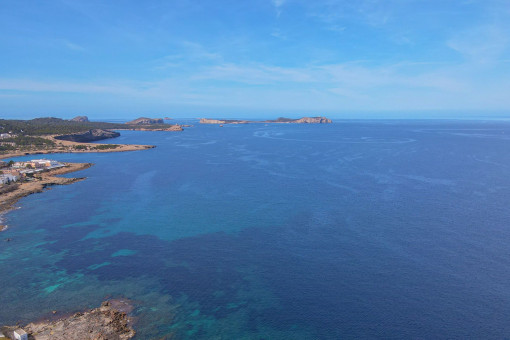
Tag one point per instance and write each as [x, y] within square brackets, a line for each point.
[6, 135]
[43, 164]
[20, 169]
[7, 178]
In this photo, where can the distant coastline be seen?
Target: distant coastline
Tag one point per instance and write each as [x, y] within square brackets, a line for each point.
[44, 136]
[70, 147]
[54, 135]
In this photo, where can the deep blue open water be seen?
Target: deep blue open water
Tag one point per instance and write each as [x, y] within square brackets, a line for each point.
[357, 229]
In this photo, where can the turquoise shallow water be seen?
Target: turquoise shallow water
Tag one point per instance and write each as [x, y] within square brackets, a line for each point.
[358, 229]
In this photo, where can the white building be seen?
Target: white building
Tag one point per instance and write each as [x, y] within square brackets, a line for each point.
[20, 334]
[6, 178]
[38, 164]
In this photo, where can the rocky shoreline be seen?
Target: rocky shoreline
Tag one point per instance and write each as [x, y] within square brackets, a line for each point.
[111, 321]
[47, 179]
[70, 147]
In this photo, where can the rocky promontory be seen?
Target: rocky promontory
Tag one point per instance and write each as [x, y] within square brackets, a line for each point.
[82, 119]
[89, 136]
[304, 120]
[146, 121]
[162, 127]
[108, 322]
[223, 121]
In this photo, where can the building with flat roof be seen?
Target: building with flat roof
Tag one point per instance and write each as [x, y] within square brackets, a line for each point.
[7, 178]
[20, 334]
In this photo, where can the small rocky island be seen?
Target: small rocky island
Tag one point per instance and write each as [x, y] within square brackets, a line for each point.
[282, 120]
[83, 119]
[152, 124]
[108, 322]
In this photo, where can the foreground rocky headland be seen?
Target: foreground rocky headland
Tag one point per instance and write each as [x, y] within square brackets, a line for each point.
[108, 322]
[282, 120]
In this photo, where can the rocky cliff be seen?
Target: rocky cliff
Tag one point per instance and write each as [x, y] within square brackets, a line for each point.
[146, 121]
[89, 136]
[80, 119]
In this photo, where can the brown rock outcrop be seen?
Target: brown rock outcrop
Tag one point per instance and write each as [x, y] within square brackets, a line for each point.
[107, 322]
[80, 119]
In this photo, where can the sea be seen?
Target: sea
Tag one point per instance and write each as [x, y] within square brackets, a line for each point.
[360, 229]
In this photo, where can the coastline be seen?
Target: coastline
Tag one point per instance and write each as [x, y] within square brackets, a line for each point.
[47, 179]
[70, 147]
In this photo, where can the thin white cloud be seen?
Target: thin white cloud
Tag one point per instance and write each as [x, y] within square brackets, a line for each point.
[73, 46]
[482, 44]
[357, 85]
[278, 5]
[353, 76]
[28, 85]
[335, 15]
[187, 52]
[278, 34]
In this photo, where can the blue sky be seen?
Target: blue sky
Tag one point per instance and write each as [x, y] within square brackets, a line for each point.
[234, 58]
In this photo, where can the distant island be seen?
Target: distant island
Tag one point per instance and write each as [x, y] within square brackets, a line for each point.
[146, 121]
[282, 120]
